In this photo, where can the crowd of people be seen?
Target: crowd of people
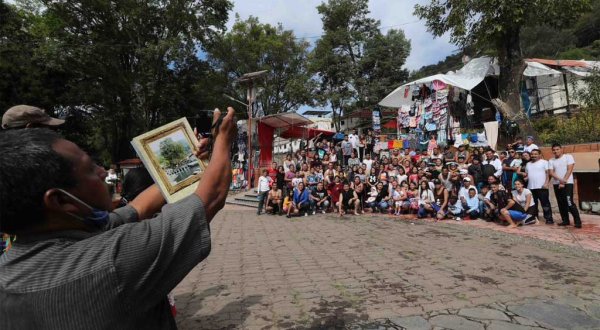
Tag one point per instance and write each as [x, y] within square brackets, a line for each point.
[350, 177]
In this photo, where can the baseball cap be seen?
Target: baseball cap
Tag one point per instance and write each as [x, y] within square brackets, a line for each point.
[437, 181]
[463, 172]
[467, 179]
[21, 115]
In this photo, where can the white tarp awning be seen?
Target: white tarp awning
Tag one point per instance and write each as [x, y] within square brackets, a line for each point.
[535, 69]
[469, 76]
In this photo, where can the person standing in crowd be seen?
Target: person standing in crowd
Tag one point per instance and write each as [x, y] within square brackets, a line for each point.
[369, 143]
[56, 203]
[517, 145]
[288, 163]
[348, 200]
[361, 147]
[300, 202]
[507, 171]
[530, 145]
[432, 145]
[538, 177]
[273, 172]
[561, 171]
[264, 185]
[319, 199]
[346, 150]
[353, 161]
[354, 139]
[515, 166]
[369, 162]
[476, 172]
[274, 200]
[491, 165]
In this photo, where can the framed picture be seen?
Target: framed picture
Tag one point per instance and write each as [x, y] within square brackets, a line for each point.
[168, 154]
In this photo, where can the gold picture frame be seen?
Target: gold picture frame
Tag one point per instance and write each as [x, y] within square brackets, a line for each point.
[168, 154]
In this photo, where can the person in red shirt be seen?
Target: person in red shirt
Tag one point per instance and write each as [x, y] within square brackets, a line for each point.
[272, 172]
[335, 188]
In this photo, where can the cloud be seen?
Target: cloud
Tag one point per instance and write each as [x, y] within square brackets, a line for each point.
[302, 17]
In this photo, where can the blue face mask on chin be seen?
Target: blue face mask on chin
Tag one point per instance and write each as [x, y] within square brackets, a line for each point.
[97, 218]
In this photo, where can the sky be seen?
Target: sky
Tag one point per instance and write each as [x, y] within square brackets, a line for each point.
[302, 17]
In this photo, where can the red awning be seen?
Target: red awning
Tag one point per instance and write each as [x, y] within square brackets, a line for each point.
[569, 63]
[391, 124]
[297, 132]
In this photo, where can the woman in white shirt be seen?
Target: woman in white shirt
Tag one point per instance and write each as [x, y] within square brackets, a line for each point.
[522, 195]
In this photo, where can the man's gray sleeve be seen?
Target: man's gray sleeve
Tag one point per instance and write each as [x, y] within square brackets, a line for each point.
[120, 216]
[151, 257]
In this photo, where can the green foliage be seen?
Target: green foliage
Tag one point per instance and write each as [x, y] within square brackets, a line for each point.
[582, 127]
[120, 68]
[543, 41]
[355, 64]
[251, 46]
[171, 153]
[498, 24]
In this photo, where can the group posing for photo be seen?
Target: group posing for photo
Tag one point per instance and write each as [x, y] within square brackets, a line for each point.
[348, 177]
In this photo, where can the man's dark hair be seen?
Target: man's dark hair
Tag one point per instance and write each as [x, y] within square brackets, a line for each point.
[28, 168]
[556, 145]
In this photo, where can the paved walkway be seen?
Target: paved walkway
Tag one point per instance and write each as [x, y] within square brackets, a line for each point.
[377, 272]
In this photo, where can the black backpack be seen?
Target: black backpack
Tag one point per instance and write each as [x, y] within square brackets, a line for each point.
[488, 169]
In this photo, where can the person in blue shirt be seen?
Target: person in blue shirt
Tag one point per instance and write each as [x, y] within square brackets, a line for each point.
[300, 202]
[472, 204]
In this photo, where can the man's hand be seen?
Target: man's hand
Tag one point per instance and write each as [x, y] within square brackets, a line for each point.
[214, 185]
[202, 149]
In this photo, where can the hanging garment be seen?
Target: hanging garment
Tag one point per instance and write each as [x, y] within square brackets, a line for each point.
[491, 131]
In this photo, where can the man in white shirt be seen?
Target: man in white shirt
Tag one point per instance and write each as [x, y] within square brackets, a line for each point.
[530, 145]
[354, 139]
[463, 192]
[538, 177]
[264, 185]
[561, 172]
[491, 159]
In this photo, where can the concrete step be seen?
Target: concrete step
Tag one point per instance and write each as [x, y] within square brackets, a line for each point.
[246, 199]
[234, 202]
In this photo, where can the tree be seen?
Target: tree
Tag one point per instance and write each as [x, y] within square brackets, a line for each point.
[498, 24]
[356, 65]
[171, 153]
[132, 65]
[251, 46]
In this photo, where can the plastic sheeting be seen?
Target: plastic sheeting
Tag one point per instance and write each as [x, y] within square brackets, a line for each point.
[469, 76]
[535, 69]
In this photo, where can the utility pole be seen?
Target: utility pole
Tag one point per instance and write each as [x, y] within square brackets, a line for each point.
[249, 79]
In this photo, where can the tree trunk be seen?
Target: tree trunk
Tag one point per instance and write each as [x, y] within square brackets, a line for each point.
[512, 66]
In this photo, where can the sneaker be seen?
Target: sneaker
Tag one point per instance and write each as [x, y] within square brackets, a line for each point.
[549, 222]
[314, 212]
[458, 219]
[577, 225]
[288, 216]
[564, 224]
[305, 214]
[323, 211]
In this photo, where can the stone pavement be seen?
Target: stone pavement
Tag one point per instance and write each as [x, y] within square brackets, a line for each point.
[376, 272]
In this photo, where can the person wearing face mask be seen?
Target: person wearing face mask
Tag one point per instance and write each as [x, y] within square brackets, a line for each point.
[55, 200]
